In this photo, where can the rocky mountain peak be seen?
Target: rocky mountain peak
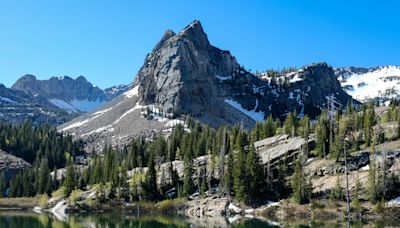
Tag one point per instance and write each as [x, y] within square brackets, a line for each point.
[195, 33]
[186, 75]
[182, 64]
[82, 79]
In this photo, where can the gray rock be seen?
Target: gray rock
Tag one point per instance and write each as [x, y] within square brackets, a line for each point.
[10, 164]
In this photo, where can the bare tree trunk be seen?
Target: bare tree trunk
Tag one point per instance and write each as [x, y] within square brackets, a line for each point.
[222, 165]
[347, 182]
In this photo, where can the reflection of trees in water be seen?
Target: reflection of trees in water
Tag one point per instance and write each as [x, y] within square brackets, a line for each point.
[22, 219]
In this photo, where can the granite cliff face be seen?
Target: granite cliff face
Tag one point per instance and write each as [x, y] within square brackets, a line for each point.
[73, 95]
[180, 74]
[185, 75]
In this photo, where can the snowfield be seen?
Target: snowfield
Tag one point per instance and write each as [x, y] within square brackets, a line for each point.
[257, 116]
[77, 105]
[380, 82]
[132, 92]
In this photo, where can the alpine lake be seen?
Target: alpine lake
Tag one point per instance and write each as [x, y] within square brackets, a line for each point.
[29, 219]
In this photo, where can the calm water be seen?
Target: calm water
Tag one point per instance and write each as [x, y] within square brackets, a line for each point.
[31, 220]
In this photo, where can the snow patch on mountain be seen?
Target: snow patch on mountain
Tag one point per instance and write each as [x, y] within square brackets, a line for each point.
[132, 92]
[224, 78]
[83, 122]
[77, 105]
[377, 82]
[101, 129]
[136, 107]
[257, 116]
[7, 100]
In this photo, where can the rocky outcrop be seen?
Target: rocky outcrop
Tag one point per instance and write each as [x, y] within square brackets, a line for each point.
[207, 207]
[10, 164]
[276, 148]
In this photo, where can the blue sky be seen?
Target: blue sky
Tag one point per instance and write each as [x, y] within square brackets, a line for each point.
[106, 41]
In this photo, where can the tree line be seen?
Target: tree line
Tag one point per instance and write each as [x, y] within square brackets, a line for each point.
[241, 174]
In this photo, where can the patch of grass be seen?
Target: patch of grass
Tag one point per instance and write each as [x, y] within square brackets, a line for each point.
[75, 195]
[58, 193]
[43, 200]
[20, 202]
[170, 204]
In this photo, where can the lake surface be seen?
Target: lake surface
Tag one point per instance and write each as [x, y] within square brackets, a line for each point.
[21, 219]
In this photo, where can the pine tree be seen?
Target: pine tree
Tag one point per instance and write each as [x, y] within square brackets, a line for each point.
[123, 182]
[229, 173]
[337, 193]
[70, 179]
[280, 187]
[3, 184]
[239, 177]
[151, 179]
[188, 185]
[44, 177]
[356, 198]
[254, 173]
[369, 122]
[291, 124]
[322, 135]
[300, 186]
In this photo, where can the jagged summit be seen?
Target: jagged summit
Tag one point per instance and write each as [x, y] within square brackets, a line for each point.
[183, 63]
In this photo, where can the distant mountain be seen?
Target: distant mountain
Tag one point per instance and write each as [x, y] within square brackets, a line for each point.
[18, 106]
[185, 75]
[72, 95]
[366, 83]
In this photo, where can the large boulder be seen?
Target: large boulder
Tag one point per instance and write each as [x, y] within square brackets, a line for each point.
[10, 165]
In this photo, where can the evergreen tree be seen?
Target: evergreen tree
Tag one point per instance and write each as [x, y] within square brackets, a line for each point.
[355, 204]
[254, 173]
[239, 171]
[322, 135]
[280, 187]
[300, 186]
[151, 180]
[187, 176]
[369, 122]
[70, 178]
[3, 184]
[44, 177]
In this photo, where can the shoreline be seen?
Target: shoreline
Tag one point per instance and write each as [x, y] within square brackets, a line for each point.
[282, 212]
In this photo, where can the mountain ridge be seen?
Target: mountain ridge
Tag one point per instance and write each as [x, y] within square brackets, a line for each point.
[185, 75]
[73, 95]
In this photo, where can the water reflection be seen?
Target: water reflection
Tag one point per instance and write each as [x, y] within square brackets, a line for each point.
[20, 219]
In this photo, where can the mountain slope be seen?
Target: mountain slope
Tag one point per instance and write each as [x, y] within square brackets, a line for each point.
[73, 95]
[18, 106]
[367, 83]
[185, 75]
